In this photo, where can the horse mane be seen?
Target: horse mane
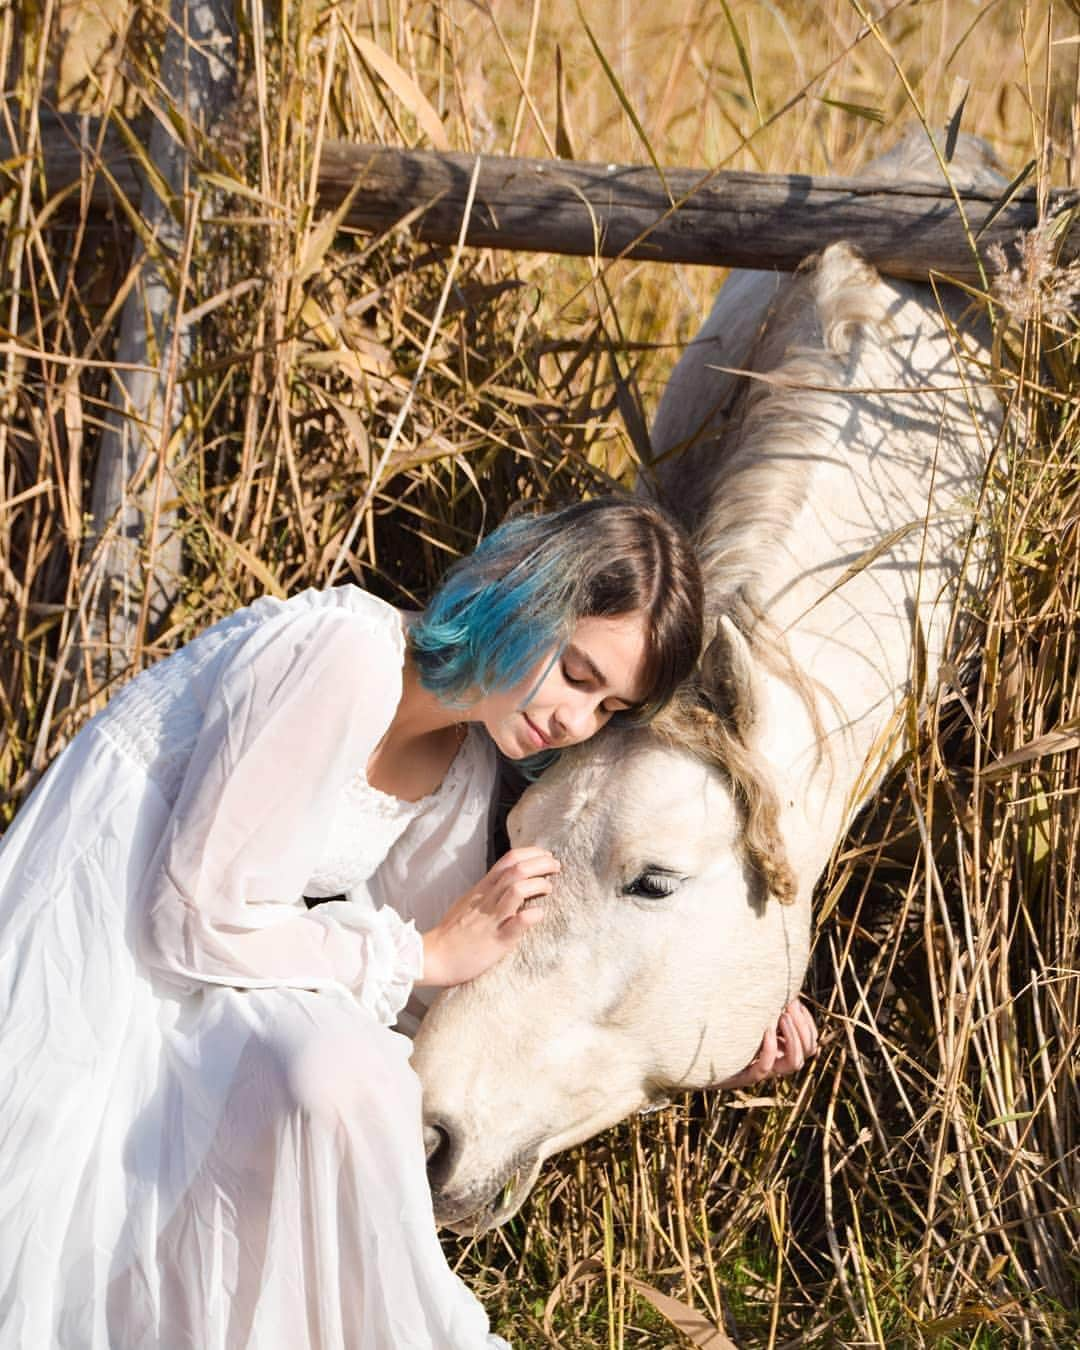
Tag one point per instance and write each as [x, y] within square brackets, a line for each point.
[803, 352]
[760, 446]
[804, 347]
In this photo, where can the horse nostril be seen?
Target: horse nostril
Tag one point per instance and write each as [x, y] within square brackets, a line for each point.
[434, 1139]
[439, 1147]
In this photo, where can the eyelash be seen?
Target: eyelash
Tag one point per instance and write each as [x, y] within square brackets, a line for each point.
[578, 683]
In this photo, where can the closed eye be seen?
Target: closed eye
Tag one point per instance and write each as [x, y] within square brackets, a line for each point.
[609, 709]
[653, 884]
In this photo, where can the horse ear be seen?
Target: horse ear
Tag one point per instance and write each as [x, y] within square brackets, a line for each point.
[729, 678]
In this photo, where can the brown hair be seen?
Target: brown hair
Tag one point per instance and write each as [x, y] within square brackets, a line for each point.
[640, 561]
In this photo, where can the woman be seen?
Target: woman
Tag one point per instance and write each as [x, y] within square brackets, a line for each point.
[212, 1137]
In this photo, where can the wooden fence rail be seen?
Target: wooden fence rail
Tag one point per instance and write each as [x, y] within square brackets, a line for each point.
[724, 219]
[612, 210]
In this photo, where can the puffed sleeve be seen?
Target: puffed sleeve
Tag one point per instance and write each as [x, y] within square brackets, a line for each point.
[295, 712]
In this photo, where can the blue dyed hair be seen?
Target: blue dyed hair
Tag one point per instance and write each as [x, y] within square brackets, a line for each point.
[496, 612]
[520, 595]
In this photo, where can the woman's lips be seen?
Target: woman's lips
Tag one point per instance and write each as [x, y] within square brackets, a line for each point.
[539, 739]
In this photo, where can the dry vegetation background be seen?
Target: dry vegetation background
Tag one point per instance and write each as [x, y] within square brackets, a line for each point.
[374, 403]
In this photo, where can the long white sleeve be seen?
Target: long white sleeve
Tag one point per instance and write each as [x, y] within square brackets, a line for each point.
[293, 715]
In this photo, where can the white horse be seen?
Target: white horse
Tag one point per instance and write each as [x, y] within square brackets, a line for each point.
[834, 489]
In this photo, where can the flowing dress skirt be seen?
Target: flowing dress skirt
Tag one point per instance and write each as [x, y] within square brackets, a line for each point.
[217, 1170]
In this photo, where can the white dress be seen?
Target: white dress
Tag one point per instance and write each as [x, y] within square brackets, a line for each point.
[210, 1138]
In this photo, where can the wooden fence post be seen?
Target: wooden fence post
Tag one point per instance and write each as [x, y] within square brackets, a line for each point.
[134, 539]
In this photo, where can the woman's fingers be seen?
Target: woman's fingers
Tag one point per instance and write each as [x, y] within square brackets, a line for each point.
[766, 1057]
[792, 1056]
[528, 861]
[797, 1036]
[519, 893]
[483, 925]
[512, 928]
[520, 876]
[801, 1026]
[805, 1024]
[784, 1048]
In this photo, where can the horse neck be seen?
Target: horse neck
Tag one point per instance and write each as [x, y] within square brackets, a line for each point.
[822, 521]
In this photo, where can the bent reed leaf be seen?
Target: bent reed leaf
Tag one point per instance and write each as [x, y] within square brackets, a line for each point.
[863, 110]
[403, 87]
[1057, 742]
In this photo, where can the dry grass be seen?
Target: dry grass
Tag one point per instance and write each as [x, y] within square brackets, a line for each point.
[373, 404]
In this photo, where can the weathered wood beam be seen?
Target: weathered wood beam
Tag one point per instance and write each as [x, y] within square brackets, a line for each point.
[687, 216]
[134, 536]
[722, 219]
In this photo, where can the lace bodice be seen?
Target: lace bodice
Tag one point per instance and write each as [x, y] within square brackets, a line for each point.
[367, 823]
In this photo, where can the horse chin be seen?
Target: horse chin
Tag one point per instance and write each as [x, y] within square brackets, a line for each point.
[470, 1219]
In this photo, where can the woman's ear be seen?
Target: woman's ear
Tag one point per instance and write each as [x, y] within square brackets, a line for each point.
[729, 680]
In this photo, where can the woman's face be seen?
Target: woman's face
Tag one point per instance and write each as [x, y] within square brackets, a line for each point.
[568, 697]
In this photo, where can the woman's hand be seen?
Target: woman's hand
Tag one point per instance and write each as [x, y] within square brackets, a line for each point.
[784, 1049]
[488, 921]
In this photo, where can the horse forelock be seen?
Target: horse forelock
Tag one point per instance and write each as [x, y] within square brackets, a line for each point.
[690, 724]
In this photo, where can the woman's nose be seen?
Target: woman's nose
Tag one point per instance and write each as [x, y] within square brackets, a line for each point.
[580, 717]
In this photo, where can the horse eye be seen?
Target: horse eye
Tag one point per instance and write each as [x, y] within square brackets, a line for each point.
[653, 885]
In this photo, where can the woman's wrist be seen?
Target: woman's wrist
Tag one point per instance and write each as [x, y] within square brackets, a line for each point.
[433, 973]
